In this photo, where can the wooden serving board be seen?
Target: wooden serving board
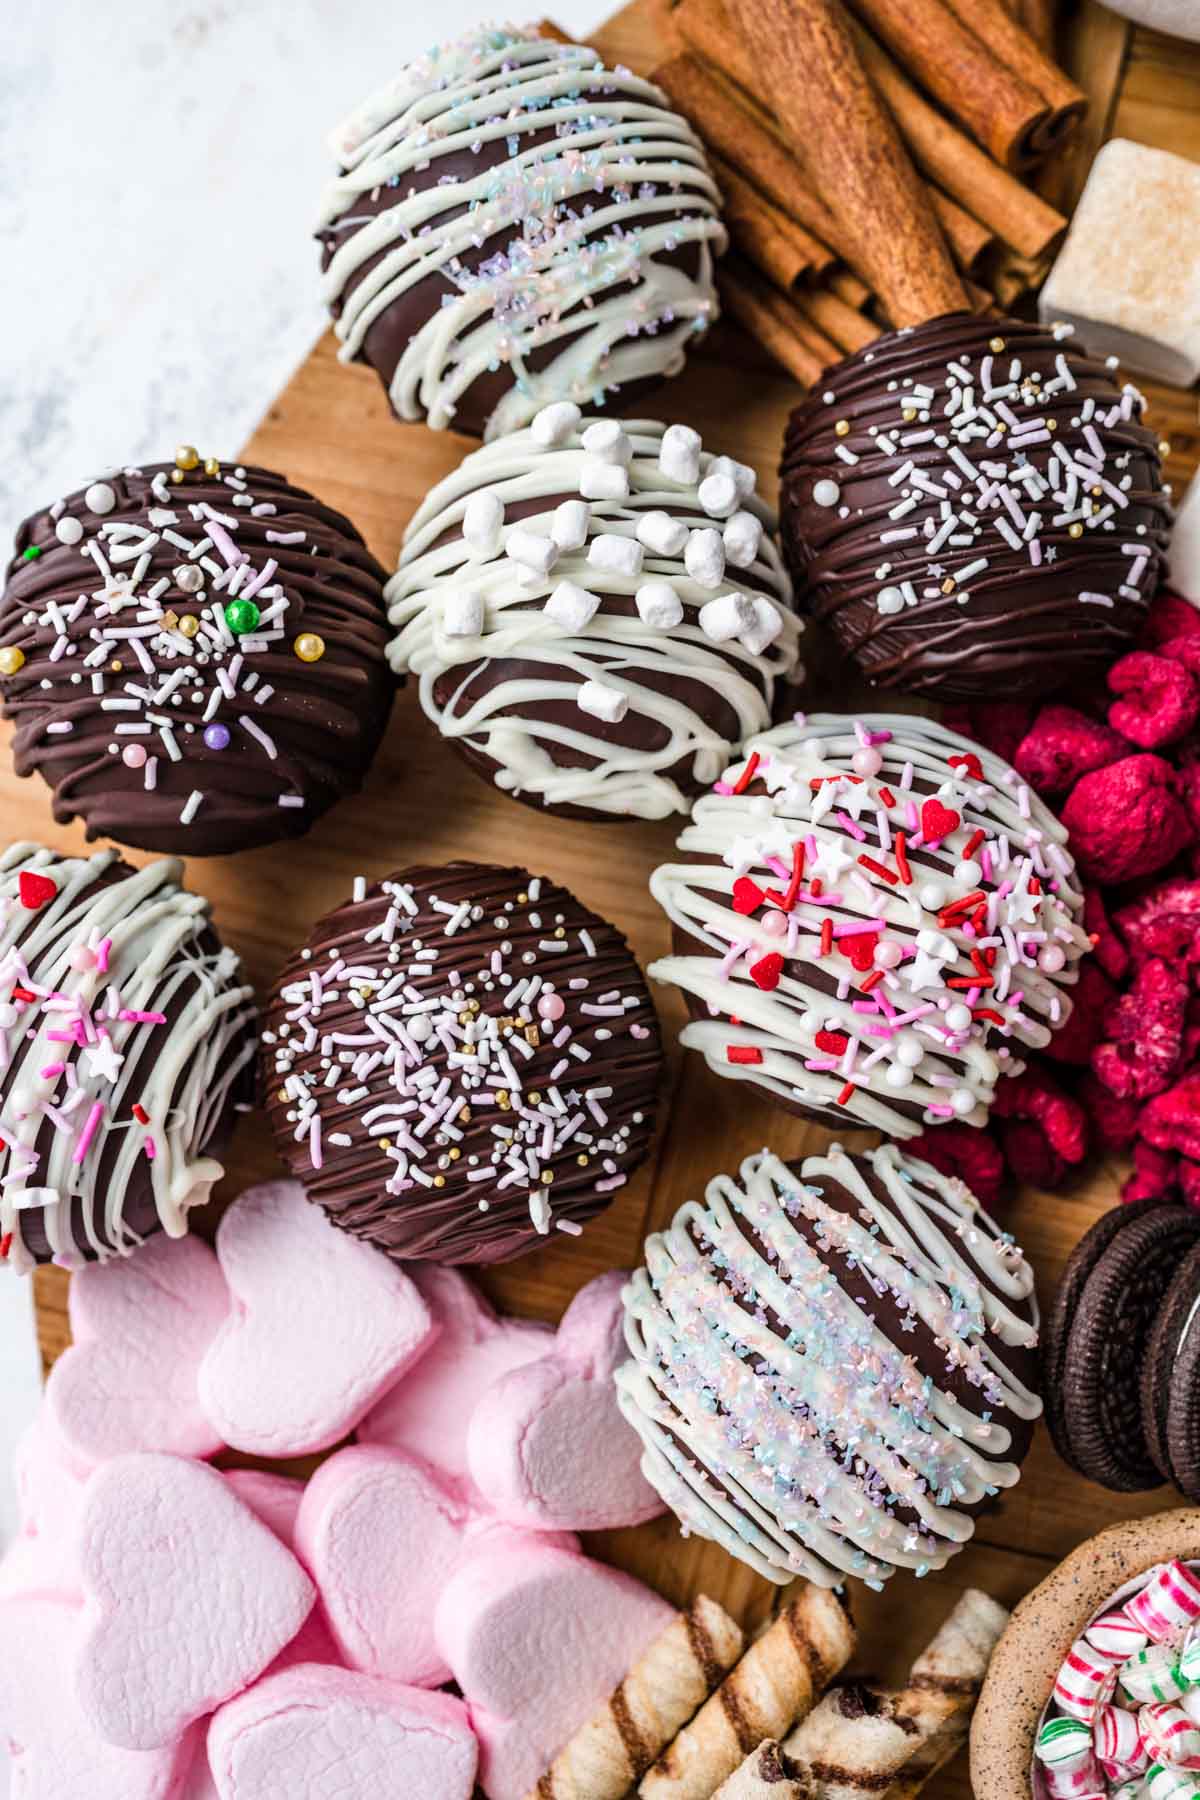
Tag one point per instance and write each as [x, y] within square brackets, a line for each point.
[331, 430]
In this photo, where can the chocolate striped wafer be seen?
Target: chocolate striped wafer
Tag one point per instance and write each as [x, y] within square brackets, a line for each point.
[659, 1694]
[777, 1681]
[763, 1776]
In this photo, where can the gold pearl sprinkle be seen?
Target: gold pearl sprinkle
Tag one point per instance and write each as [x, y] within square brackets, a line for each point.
[996, 345]
[547, 1177]
[465, 1116]
[211, 466]
[385, 1143]
[187, 457]
[116, 665]
[176, 476]
[535, 1099]
[842, 428]
[189, 625]
[908, 414]
[560, 931]
[282, 1096]
[1075, 530]
[439, 1181]
[583, 1159]
[1050, 424]
[522, 899]
[1164, 447]
[11, 660]
[454, 1153]
[309, 647]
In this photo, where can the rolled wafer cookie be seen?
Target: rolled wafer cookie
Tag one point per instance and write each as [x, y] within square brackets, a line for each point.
[777, 1682]
[659, 1694]
[763, 1776]
[861, 1742]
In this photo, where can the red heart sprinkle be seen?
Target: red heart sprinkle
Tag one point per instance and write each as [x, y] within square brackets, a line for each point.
[860, 948]
[970, 762]
[832, 1042]
[35, 890]
[937, 821]
[766, 971]
[747, 895]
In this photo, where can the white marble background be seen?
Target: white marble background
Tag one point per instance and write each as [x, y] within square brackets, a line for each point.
[160, 162]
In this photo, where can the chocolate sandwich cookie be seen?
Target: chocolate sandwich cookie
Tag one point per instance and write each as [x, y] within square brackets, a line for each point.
[1167, 1340]
[1097, 1416]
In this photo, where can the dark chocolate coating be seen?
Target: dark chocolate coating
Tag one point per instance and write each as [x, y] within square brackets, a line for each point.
[438, 1217]
[324, 719]
[399, 322]
[1023, 630]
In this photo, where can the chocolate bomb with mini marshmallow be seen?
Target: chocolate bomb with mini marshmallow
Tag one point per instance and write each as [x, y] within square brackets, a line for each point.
[872, 919]
[461, 1061]
[194, 656]
[597, 614]
[514, 223]
[834, 1365]
[128, 1038]
[976, 508]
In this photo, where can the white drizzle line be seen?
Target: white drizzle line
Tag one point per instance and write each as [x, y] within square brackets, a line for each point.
[616, 142]
[622, 649]
[942, 1063]
[180, 1074]
[767, 1475]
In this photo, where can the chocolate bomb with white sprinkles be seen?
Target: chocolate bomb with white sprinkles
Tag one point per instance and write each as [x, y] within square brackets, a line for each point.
[193, 656]
[976, 508]
[460, 1061]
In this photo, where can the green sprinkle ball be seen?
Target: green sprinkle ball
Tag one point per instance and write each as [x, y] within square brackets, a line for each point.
[241, 616]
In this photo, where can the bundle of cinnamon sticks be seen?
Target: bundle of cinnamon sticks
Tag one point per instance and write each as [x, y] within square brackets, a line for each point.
[963, 93]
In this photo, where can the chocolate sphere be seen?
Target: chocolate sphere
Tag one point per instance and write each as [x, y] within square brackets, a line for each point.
[835, 1365]
[976, 508]
[193, 656]
[515, 223]
[597, 615]
[872, 918]
[128, 1040]
[461, 1061]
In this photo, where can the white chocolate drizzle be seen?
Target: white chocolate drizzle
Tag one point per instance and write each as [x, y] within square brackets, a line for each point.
[122, 1037]
[906, 970]
[779, 1417]
[595, 283]
[606, 593]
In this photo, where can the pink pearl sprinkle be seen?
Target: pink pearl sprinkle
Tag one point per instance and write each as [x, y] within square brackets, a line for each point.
[866, 762]
[134, 756]
[774, 923]
[551, 1007]
[888, 954]
[1052, 959]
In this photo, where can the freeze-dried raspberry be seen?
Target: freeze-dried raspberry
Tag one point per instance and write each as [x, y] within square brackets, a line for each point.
[1035, 1095]
[1168, 617]
[1191, 1032]
[1155, 1175]
[1164, 922]
[1107, 946]
[1157, 701]
[1113, 1122]
[1144, 1051]
[1189, 1182]
[1030, 1155]
[1185, 650]
[1063, 744]
[967, 1152]
[1126, 820]
[1092, 999]
[1171, 1121]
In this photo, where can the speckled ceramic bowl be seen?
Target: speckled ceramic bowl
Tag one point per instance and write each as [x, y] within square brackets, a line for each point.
[1020, 1680]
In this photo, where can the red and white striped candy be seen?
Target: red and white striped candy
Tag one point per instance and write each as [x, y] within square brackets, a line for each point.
[1086, 1677]
[1152, 1674]
[1190, 1702]
[1077, 1780]
[1170, 1735]
[1168, 1604]
[1117, 1737]
[1117, 1636]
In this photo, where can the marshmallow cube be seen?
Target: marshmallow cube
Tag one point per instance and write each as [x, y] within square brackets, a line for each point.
[659, 605]
[616, 555]
[718, 495]
[606, 440]
[483, 519]
[1128, 275]
[679, 455]
[660, 534]
[704, 557]
[741, 474]
[603, 702]
[571, 606]
[603, 480]
[765, 627]
[569, 527]
[462, 613]
[554, 424]
[531, 550]
[727, 617]
[742, 537]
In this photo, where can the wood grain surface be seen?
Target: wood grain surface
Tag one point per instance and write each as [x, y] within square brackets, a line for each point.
[331, 430]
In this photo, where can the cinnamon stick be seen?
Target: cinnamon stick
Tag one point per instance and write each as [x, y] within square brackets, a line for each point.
[848, 287]
[733, 128]
[845, 325]
[773, 241]
[1008, 39]
[1037, 16]
[1013, 211]
[967, 238]
[998, 108]
[771, 320]
[850, 148]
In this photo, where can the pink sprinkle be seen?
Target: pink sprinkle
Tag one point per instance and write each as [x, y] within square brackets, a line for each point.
[148, 1147]
[91, 1126]
[142, 1018]
[941, 1112]
[848, 824]
[225, 544]
[51, 1070]
[102, 951]
[572, 1227]
[719, 787]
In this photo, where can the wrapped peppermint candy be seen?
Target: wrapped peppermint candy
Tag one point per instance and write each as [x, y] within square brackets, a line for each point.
[1152, 1674]
[1165, 1783]
[1064, 1748]
[1171, 1736]
[1189, 1661]
[1168, 1604]
[1086, 1677]
[1116, 1635]
[1117, 1737]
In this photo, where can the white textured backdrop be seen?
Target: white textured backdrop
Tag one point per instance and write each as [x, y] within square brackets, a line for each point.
[160, 162]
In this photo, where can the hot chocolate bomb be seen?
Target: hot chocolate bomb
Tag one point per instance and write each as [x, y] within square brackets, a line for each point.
[976, 508]
[193, 656]
[514, 223]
